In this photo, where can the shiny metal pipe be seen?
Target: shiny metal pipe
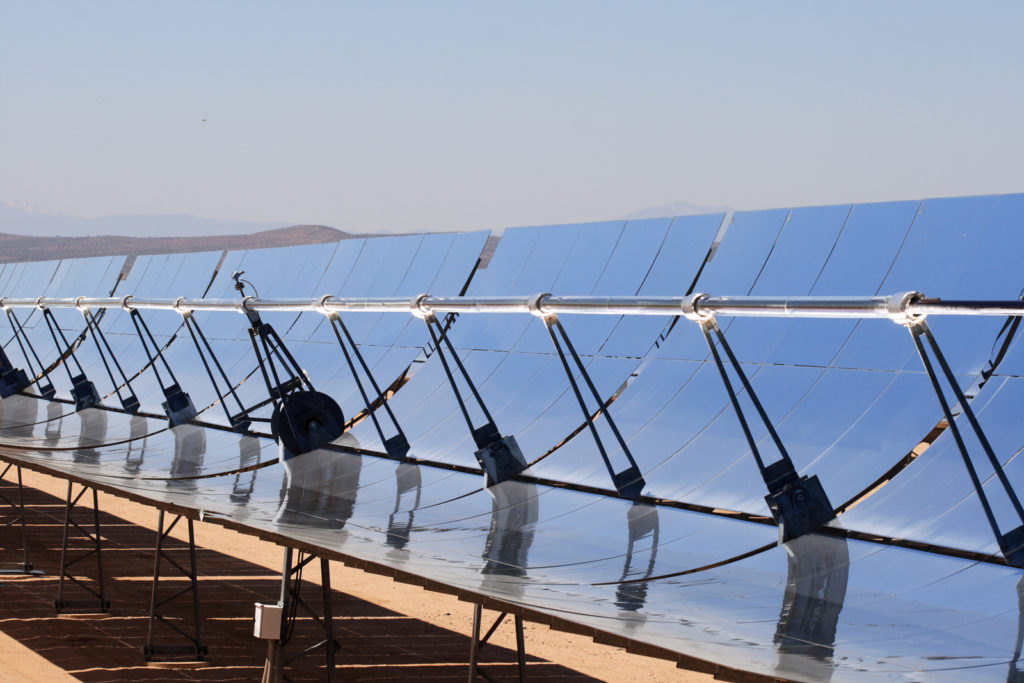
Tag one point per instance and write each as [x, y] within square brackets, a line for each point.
[939, 307]
[796, 307]
[902, 307]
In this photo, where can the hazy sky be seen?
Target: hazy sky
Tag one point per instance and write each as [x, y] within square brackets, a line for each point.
[452, 115]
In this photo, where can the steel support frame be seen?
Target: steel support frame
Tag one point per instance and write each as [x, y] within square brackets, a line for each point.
[83, 390]
[397, 446]
[130, 402]
[194, 646]
[178, 404]
[629, 482]
[799, 504]
[239, 422]
[1011, 543]
[99, 602]
[44, 385]
[477, 642]
[18, 511]
[499, 456]
[273, 346]
[291, 599]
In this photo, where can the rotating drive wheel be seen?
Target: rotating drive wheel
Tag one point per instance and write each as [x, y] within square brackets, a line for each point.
[307, 420]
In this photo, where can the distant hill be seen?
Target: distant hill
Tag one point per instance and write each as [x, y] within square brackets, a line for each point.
[29, 248]
[675, 209]
[22, 218]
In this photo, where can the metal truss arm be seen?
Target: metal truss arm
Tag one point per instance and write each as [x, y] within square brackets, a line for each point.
[628, 482]
[130, 402]
[43, 383]
[397, 446]
[1011, 543]
[177, 404]
[83, 391]
[798, 503]
[499, 457]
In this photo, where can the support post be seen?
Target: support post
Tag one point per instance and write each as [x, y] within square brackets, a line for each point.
[194, 645]
[477, 642]
[98, 602]
[18, 511]
[292, 600]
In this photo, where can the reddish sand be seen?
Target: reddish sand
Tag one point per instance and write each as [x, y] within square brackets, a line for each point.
[386, 630]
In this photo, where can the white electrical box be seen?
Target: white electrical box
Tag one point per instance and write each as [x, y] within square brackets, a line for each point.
[268, 621]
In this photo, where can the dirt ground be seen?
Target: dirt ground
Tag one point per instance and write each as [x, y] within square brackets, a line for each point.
[386, 630]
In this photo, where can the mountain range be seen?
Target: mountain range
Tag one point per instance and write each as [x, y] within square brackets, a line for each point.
[28, 233]
[21, 218]
[675, 209]
[31, 248]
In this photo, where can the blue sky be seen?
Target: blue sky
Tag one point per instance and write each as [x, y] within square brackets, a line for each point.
[451, 115]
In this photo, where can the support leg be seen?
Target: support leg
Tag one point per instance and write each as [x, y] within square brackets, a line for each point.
[474, 643]
[520, 649]
[477, 642]
[98, 602]
[292, 601]
[18, 511]
[330, 645]
[194, 644]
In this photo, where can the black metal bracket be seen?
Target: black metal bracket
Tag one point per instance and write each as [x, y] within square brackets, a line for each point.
[42, 380]
[83, 391]
[98, 602]
[17, 510]
[397, 446]
[272, 348]
[194, 646]
[477, 642]
[629, 482]
[281, 372]
[292, 601]
[130, 401]
[798, 503]
[177, 404]
[1011, 543]
[499, 456]
[12, 380]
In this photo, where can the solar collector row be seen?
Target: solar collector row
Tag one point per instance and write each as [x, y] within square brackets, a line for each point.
[847, 398]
